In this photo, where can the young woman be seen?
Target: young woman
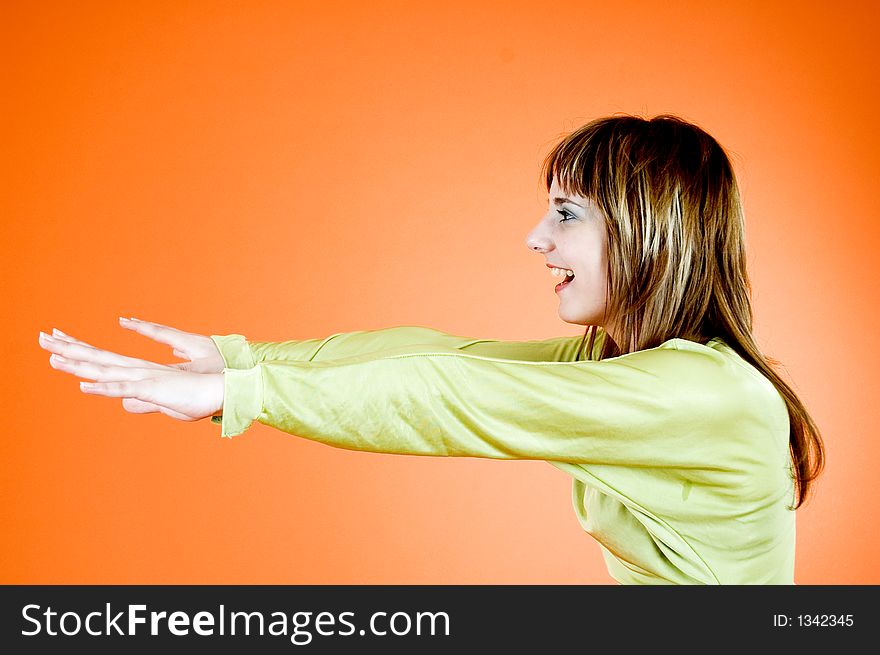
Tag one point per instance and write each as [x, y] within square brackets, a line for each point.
[688, 452]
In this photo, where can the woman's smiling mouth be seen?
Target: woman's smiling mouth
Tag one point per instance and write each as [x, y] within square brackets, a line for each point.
[568, 273]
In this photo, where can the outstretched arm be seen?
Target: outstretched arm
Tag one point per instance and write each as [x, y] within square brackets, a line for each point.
[667, 407]
[216, 353]
[638, 409]
[240, 353]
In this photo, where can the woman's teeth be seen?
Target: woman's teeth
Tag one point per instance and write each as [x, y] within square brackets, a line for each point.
[557, 272]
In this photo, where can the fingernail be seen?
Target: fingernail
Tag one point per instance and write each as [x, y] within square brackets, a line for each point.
[85, 386]
[46, 336]
[58, 333]
[133, 319]
[122, 319]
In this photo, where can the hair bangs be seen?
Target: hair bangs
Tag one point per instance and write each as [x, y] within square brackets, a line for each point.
[576, 163]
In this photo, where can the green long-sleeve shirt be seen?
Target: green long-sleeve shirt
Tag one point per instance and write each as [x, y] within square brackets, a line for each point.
[679, 454]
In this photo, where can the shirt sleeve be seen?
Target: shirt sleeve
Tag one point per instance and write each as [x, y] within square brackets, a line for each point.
[238, 352]
[649, 408]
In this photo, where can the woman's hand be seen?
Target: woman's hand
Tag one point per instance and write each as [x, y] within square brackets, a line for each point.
[144, 386]
[180, 394]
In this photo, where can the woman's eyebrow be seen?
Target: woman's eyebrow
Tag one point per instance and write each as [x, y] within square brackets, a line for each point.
[560, 200]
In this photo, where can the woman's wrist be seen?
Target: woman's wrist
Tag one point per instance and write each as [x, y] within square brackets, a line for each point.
[221, 396]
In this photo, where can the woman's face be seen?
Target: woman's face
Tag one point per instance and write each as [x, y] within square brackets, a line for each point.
[572, 235]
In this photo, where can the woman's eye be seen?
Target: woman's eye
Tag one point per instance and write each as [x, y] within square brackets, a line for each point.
[567, 215]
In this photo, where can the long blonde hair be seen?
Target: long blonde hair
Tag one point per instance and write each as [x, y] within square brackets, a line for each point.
[676, 248]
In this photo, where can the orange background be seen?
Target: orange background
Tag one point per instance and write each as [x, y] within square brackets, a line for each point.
[291, 170]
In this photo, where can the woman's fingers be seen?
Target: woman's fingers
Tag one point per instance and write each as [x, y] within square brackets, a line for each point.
[58, 334]
[157, 332]
[198, 348]
[177, 415]
[136, 406]
[68, 348]
[145, 390]
[194, 395]
[181, 366]
[100, 372]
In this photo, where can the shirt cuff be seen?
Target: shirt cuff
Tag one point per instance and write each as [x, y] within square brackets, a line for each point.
[235, 350]
[242, 400]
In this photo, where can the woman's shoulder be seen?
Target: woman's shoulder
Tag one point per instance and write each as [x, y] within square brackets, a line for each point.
[702, 367]
[715, 367]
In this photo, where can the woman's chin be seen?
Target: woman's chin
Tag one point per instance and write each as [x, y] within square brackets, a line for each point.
[579, 314]
[573, 318]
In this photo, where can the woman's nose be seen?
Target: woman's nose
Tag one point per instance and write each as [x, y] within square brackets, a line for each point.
[533, 242]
